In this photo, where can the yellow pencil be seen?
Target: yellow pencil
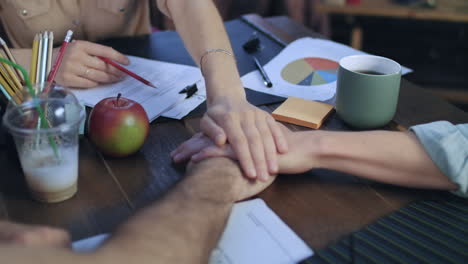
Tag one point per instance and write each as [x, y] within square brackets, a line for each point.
[17, 86]
[7, 87]
[35, 48]
[10, 82]
[11, 58]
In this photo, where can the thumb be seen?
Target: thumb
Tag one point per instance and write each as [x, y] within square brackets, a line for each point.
[213, 130]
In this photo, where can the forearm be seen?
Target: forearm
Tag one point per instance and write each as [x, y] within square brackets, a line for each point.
[201, 29]
[42, 255]
[184, 226]
[389, 157]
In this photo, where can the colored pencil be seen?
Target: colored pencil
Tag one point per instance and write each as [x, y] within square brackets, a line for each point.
[39, 58]
[49, 52]
[134, 75]
[35, 49]
[8, 89]
[11, 77]
[10, 56]
[58, 61]
[5, 93]
[10, 81]
[44, 57]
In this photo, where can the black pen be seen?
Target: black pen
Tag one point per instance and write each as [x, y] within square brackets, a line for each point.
[252, 46]
[266, 80]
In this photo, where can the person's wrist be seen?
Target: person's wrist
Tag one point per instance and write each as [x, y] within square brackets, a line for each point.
[222, 78]
[230, 92]
[316, 149]
[213, 180]
[325, 150]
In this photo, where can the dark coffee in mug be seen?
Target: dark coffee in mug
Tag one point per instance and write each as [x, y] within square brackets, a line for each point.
[370, 72]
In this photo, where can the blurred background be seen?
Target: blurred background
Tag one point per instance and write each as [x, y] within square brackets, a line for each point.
[429, 36]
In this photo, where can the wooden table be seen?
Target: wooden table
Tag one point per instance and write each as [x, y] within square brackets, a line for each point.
[445, 10]
[320, 206]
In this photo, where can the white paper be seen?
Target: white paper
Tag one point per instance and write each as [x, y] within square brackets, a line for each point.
[253, 234]
[169, 78]
[297, 51]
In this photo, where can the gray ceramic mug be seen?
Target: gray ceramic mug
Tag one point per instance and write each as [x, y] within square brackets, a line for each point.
[367, 90]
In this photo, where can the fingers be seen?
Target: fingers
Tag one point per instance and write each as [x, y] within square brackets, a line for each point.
[213, 130]
[98, 64]
[190, 147]
[97, 75]
[257, 149]
[104, 51]
[268, 144]
[212, 152]
[29, 235]
[42, 236]
[278, 134]
[249, 132]
[80, 63]
[238, 141]
[199, 144]
[76, 81]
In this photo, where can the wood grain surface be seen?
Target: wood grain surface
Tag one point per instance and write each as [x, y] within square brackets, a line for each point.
[320, 206]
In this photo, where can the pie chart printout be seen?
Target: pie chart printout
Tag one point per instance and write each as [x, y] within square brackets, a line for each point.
[310, 71]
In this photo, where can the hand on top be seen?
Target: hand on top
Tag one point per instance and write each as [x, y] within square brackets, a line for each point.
[299, 158]
[252, 133]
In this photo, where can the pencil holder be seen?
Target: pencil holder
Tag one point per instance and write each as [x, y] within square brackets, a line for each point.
[45, 131]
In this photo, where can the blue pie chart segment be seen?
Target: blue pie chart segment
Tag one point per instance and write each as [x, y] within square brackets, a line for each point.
[307, 81]
[328, 76]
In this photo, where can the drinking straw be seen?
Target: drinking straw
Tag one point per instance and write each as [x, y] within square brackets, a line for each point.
[31, 91]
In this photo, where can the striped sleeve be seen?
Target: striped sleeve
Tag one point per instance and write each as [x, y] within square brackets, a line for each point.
[447, 145]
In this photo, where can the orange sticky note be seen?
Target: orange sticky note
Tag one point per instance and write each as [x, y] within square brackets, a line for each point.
[303, 112]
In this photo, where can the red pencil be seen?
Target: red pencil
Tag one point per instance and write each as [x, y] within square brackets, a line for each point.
[58, 61]
[134, 75]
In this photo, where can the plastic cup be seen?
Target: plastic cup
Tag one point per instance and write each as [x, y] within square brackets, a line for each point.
[48, 150]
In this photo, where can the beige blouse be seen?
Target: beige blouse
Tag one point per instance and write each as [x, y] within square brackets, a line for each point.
[89, 19]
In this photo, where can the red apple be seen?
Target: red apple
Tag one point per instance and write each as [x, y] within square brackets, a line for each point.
[118, 126]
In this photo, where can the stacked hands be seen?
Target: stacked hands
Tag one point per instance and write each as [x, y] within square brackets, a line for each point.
[253, 136]
[299, 158]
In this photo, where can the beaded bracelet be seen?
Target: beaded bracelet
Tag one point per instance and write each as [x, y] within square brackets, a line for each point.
[209, 51]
